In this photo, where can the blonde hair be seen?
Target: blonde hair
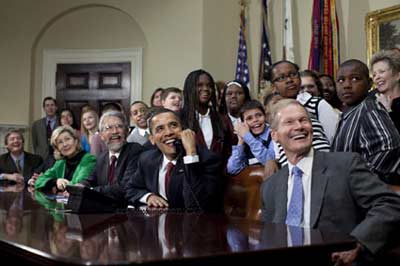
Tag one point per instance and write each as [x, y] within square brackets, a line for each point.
[57, 132]
[96, 118]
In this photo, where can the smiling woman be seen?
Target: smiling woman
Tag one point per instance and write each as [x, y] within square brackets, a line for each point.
[73, 164]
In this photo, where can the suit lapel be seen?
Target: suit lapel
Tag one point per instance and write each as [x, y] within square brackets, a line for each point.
[281, 196]
[318, 186]
[156, 171]
[104, 168]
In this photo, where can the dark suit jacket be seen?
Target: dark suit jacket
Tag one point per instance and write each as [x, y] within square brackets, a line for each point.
[31, 163]
[191, 185]
[40, 142]
[99, 178]
[345, 196]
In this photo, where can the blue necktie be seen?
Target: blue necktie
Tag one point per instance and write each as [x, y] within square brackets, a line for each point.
[295, 211]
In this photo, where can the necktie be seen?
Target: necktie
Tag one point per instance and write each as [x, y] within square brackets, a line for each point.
[296, 235]
[18, 165]
[49, 130]
[295, 211]
[111, 169]
[170, 167]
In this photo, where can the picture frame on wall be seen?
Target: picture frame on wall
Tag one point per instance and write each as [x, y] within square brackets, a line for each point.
[383, 29]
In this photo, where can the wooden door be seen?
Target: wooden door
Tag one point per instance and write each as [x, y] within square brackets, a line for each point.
[94, 84]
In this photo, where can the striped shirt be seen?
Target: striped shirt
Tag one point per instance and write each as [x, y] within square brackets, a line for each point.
[322, 111]
[368, 130]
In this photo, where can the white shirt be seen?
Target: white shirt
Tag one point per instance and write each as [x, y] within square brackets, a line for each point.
[326, 114]
[305, 165]
[206, 127]
[143, 132]
[233, 119]
[110, 154]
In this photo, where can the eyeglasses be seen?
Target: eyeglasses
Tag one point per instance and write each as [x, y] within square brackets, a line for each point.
[282, 78]
[111, 127]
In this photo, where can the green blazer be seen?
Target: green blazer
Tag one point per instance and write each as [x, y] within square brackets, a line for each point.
[82, 171]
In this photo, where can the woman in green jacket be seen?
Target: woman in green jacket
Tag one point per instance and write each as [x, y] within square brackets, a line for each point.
[72, 165]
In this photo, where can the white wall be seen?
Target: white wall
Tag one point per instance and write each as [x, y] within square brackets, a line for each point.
[177, 36]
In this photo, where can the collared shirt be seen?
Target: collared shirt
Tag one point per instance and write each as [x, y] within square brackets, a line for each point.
[110, 154]
[238, 160]
[21, 159]
[206, 127]
[188, 159]
[143, 132]
[52, 121]
[325, 113]
[305, 165]
[233, 119]
[368, 130]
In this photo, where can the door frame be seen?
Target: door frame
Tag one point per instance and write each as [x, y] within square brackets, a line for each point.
[52, 57]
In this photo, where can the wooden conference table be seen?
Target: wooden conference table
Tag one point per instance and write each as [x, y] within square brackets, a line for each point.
[37, 230]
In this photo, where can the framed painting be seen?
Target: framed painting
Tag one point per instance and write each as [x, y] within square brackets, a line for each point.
[383, 29]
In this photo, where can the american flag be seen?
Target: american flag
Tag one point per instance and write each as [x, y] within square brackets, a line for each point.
[242, 68]
[265, 55]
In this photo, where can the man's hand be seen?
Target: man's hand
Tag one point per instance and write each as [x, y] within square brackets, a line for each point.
[346, 257]
[156, 201]
[188, 138]
[16, 177]
[62, 184]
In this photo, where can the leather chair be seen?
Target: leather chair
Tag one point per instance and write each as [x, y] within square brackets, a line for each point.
[242, 197]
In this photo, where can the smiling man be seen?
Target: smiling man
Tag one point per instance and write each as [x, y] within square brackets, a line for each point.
[17, 165]
[328, 191]
[108, 175]
[175, 175]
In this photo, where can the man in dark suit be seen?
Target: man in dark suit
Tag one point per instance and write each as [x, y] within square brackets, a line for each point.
[107, 176]
[194, 181]
[42, 128]
[329, 191]
[17, 165]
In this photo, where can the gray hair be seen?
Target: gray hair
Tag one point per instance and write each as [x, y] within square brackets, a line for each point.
[392, 58]
[113, 113]
[61, 129]
[276, 108]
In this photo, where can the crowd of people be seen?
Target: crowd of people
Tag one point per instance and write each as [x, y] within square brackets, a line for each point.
[329, 147]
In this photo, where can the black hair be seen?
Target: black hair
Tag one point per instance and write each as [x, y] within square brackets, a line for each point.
[223, 108]
[154, 95]
[269, 72]
[74, 123]
[250, 105]
[192, 103]
[154, 111]
[47, 99]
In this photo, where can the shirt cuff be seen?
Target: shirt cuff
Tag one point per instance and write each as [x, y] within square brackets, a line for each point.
[188, 159]
[1, 176]
[144, 198]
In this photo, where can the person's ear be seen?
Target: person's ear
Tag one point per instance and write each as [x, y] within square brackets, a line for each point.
[274, 135]
[151, 138]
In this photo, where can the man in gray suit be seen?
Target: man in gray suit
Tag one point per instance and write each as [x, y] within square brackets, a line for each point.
[42, 128]
[328, 191]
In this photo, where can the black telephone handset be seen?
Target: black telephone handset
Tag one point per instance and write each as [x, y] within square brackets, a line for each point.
[179, 147]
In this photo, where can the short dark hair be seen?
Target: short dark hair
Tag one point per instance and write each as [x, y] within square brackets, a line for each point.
[250, 105]
[47, 99]
[156, 111]
[16, 131]
[136, 102]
